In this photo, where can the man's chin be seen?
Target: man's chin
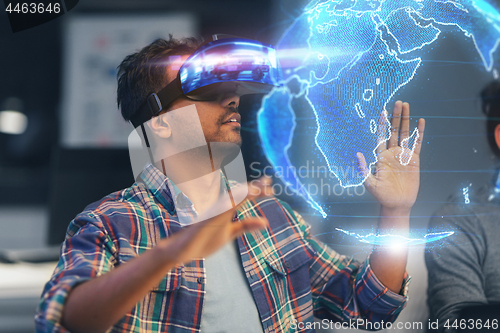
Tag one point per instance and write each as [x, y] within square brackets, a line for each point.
[227, 134]
[224, 152]
[234, 142]
[238, 142]
[234, 138]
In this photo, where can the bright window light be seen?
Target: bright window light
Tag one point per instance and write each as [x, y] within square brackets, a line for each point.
[13, 122]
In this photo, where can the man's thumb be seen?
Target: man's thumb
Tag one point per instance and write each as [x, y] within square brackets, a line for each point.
[248, 224]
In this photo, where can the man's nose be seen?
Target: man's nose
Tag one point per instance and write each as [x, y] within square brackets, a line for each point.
[231, 100]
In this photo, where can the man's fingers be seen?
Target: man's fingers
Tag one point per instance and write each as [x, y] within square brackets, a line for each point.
[395, 122]
[370, 179]
[418, 142]
[404, 131]
[363, 167]
[251, 190]
[261, 187]
[382, 132]
[248, 224]
[224, 210]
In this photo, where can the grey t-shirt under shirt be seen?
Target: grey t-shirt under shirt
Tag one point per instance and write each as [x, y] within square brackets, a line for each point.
[229, 304]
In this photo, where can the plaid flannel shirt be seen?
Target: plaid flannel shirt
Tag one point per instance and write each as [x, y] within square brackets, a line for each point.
[292, 275]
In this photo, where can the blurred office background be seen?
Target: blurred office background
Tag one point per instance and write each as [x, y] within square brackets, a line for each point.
[67, 145]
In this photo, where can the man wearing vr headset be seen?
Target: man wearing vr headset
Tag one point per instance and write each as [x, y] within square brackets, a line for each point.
[134, 261]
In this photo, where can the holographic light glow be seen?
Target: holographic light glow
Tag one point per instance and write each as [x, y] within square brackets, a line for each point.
[279, 112]
[396, 240]
[465, 191]
[352, 56]
[409, 145]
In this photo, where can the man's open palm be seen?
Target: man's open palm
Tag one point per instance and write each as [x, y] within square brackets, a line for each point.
[396, 179]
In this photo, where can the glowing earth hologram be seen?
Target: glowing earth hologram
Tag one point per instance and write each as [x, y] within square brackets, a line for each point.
[276, 143]
[351, 57]
[395, 240]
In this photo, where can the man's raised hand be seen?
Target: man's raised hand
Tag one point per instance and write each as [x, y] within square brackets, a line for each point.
[396, 179]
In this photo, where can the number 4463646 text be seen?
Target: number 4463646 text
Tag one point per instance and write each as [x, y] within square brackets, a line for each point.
[33, 8]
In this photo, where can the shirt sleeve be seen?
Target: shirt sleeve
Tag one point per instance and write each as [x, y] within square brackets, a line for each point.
[86, 253]
[346, 289]
[454, 266]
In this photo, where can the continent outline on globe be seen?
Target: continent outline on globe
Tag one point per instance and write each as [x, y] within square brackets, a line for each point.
[354, 56]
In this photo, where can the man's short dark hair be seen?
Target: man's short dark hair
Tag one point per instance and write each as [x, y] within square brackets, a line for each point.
[142, 73]
[490, 98]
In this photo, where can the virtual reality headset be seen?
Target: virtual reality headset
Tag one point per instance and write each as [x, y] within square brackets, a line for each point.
[238, 65]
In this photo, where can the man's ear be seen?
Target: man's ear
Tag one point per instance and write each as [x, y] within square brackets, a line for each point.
[497, 135]
[160, 126]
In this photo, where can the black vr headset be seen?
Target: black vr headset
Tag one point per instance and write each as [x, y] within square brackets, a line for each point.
[238, 65]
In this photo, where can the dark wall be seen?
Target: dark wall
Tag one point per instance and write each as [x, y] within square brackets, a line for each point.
[30, 67]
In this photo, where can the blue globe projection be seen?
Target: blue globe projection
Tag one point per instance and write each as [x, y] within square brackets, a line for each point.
[349, 58]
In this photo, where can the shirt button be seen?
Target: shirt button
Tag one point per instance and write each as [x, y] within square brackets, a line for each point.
[201, 280]
[287, 264]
